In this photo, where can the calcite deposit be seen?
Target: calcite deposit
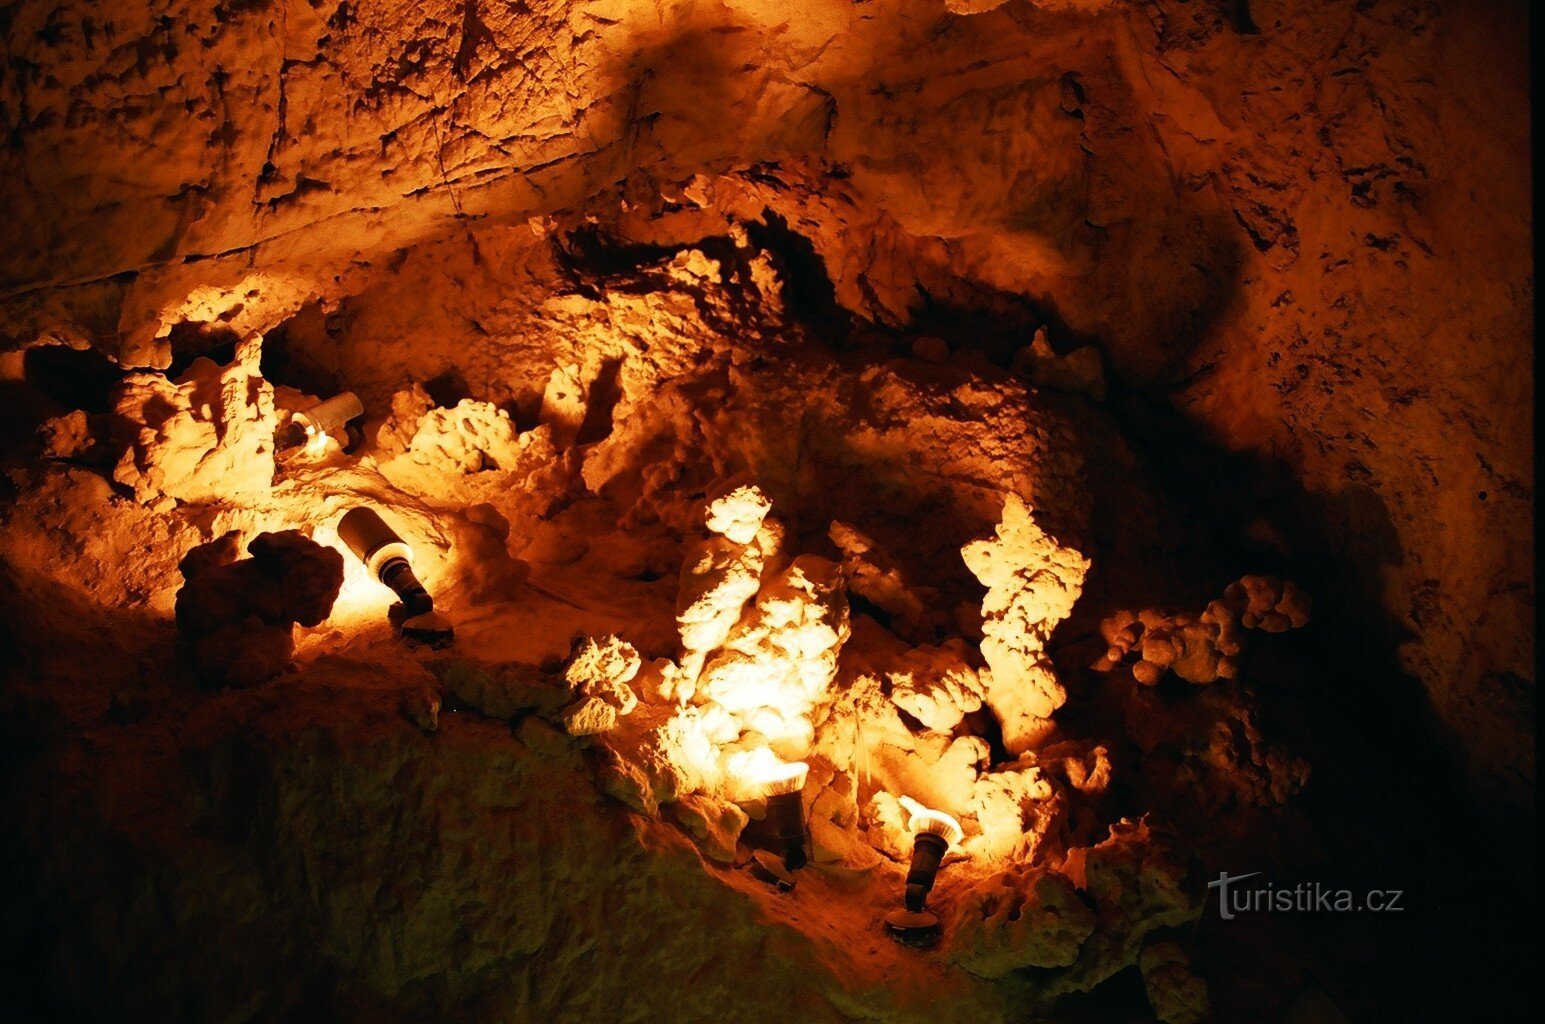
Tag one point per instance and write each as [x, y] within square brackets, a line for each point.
[201, 438]
[1032, 582]
[928, 407]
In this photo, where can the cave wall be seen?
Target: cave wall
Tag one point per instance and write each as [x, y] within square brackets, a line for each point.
[1306, 227]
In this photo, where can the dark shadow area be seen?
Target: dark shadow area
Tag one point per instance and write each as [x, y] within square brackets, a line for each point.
[55, 380]
[190, 340]
[290, 354]
[807, 288]
[72, 378]
[1388, 793]
[448, 389]
[604, 394]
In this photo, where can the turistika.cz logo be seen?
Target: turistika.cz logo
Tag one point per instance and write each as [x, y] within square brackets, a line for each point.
[1305, 897]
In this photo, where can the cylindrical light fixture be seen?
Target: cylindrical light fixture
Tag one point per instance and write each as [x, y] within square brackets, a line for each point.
[329, 417]
[933, 833]
[784, 788]
[386, 555]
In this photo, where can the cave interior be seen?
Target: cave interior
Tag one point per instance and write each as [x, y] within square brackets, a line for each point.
[601, 510]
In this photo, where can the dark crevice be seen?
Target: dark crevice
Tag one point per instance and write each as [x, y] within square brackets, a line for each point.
[808, 291]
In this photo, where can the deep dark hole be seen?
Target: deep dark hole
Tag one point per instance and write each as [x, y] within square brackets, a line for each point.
[605, 392]
[189, 341]
[591, 258]
[808, 291]
[996, 329]
[223, 354]
[448, 389]
[72, 378]
[286, 364]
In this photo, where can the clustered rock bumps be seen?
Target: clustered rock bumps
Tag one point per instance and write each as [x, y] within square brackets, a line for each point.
[1032, 583]
[760, 634]
[890, 710]
[893, 725]
[1267, 603]
[207, 436]
[1201, 648]
[237, 615]
[598, 675]
[722, 571]
[472, 436]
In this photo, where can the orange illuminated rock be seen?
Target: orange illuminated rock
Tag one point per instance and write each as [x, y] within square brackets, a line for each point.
[1032, 582]
[598, 675]
[238, 615]
[208, 436]
[472, 436]
[1205, 647]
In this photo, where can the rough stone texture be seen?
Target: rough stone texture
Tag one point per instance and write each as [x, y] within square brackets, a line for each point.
[237, 615]
[1307, 243]
[205, 436]
[1032, 584]
[1177, 995]
[1313, 239]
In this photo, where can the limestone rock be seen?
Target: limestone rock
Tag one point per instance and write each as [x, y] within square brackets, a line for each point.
[588, 716]
[718, 577]
[238, 615]
[1176, 994]
[931, 350]
[409, 406]
[1200, 648]
[1080, 371]
[782, 655]
[421, 706]
[500, 692]
[243, 652]
[294, 579]
[67, 437]
[206, 437]
[473, 436]
[715, 823]
[738, 515]
[1032, 582]
[1267, 603]
[874, 575]
[564, 404]
[936, 686]
[600, 670]
[1018, 920]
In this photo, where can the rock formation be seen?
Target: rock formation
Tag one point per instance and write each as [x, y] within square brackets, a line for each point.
[237, 615]
[792, 396]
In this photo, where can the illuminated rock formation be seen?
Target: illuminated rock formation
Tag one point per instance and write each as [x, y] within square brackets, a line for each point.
[207, 436]
[781, 400]
[1032, 582]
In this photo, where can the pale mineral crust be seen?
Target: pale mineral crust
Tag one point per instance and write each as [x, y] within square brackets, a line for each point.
[1032, 582]
[203, 437]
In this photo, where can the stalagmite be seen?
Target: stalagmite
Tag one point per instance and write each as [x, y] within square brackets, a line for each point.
[1032, 583]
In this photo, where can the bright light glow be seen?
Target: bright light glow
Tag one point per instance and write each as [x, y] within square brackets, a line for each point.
[316, 440]
[760, 773]
[924, 819]
[362, 598]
